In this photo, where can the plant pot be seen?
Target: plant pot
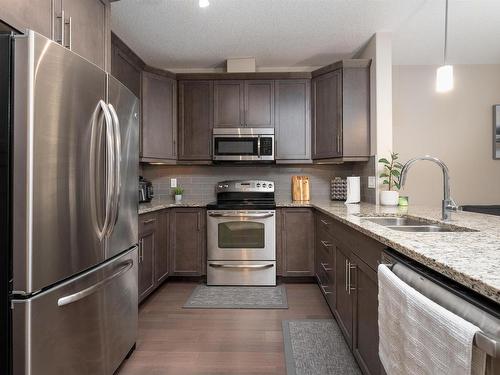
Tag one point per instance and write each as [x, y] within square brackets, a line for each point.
[389, 198]
[178, 198]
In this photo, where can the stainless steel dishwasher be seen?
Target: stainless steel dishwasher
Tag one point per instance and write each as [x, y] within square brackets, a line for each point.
[471, 306]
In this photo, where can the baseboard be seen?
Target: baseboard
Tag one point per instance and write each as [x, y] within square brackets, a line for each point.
[296, 279]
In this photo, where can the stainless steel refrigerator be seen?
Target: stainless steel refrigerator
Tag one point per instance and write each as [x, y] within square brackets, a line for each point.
[69, 159]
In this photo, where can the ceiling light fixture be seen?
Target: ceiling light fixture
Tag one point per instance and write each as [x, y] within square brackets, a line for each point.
[204, 3]
[444, 74]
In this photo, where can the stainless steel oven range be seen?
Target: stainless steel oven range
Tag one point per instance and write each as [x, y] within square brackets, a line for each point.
[241, 234]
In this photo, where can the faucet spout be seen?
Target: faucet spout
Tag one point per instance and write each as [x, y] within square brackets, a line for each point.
[448, 204]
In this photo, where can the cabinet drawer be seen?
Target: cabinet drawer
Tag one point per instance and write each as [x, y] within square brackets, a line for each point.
[325, 223]
[148, 222]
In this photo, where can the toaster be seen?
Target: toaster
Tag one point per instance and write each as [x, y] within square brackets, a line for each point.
[145, 190]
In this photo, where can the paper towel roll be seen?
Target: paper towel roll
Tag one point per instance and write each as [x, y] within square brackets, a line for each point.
[353, 190]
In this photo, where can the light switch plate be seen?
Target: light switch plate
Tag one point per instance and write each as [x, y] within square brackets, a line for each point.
[372, 181]
[173, 182]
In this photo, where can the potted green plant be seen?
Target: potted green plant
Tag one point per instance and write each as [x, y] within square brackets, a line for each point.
[178, 191]
[391, 175]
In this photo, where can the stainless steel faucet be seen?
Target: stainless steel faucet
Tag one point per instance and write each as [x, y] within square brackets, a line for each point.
[448, 204]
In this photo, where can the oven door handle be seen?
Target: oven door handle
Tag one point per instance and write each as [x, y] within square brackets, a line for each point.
[257, 216]
[254, 266]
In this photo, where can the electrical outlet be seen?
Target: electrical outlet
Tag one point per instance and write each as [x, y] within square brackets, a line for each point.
[372, 181]
[173, 182]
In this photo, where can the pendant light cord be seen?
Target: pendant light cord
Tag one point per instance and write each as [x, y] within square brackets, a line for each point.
[445, 52]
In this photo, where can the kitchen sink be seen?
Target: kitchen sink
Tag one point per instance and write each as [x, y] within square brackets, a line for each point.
[409, 224]
[395, 221]
[426, 228]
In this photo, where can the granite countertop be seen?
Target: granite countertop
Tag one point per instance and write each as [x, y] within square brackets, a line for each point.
[470, 258]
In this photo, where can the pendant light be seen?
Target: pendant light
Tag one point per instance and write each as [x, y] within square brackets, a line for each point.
[203, 3]
[444, 74]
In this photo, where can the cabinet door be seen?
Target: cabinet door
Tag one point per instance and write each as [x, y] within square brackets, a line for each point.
[259, 104]
[195, 120]
[148, 239]
[292, 120]
[343, 310]
[37, 15]
[159, 127]
[229, 104]
[162, 249]
[187, 228]
[297, 242]
[88, 32]
[327, 115]
[365, 316]
[125, 70]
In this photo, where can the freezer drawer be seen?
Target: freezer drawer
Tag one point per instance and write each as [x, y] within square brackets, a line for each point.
[86, 325]
[241, 273]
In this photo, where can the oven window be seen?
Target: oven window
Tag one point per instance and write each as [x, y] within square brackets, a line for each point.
[235, 146]
[241, 234]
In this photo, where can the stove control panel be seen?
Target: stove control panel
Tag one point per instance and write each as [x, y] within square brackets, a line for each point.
[258, 186]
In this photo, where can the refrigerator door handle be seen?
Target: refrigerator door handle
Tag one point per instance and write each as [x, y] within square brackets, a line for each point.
[94, 150]
[117, 168]
[94, 288]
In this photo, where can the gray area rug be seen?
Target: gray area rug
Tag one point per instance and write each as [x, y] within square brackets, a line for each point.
[317, 347]
[238, 297]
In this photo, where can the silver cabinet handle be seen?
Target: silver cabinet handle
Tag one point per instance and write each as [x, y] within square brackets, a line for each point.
[257, 216]
[325, 222]
[346, 268]
[70, 36]
[324, 265]
[94, 288]
[149, 221]
[351, 267]
[141, 250]
[326, 244]
[62, 24]
[95, 135]
[253, 266]
[324, 289]
[117, 167]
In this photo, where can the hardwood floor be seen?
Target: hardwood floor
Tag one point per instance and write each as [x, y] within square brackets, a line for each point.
[173, 340]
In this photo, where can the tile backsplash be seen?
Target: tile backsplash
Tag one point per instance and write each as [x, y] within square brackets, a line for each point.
[199, 181]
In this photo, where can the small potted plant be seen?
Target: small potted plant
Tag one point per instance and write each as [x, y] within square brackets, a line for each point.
[391, 176]
[178, 194]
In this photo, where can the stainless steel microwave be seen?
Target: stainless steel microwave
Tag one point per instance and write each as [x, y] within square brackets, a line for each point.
[243, 144]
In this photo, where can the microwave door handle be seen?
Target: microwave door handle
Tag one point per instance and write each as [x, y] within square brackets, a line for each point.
[258, 146]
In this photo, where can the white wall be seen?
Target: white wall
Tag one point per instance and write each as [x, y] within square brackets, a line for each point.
[379, 49]
[455, 126]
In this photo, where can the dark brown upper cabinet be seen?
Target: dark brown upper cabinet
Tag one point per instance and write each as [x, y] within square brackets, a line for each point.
[126, 66]
[259, 104]
[239, 103]
[292, 121]
[82, 26]
[229, 103]
[195, 120]
[159, 118]
[341, 111]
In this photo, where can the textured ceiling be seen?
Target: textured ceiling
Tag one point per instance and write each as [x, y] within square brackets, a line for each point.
[177, 34]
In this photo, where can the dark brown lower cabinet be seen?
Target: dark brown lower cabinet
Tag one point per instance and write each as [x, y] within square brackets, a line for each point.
[343, 310]
[162, 254]
[153, 251]
[365, 312]
[187, 241]
[148, 239]
[351, 289]
[297, 241]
